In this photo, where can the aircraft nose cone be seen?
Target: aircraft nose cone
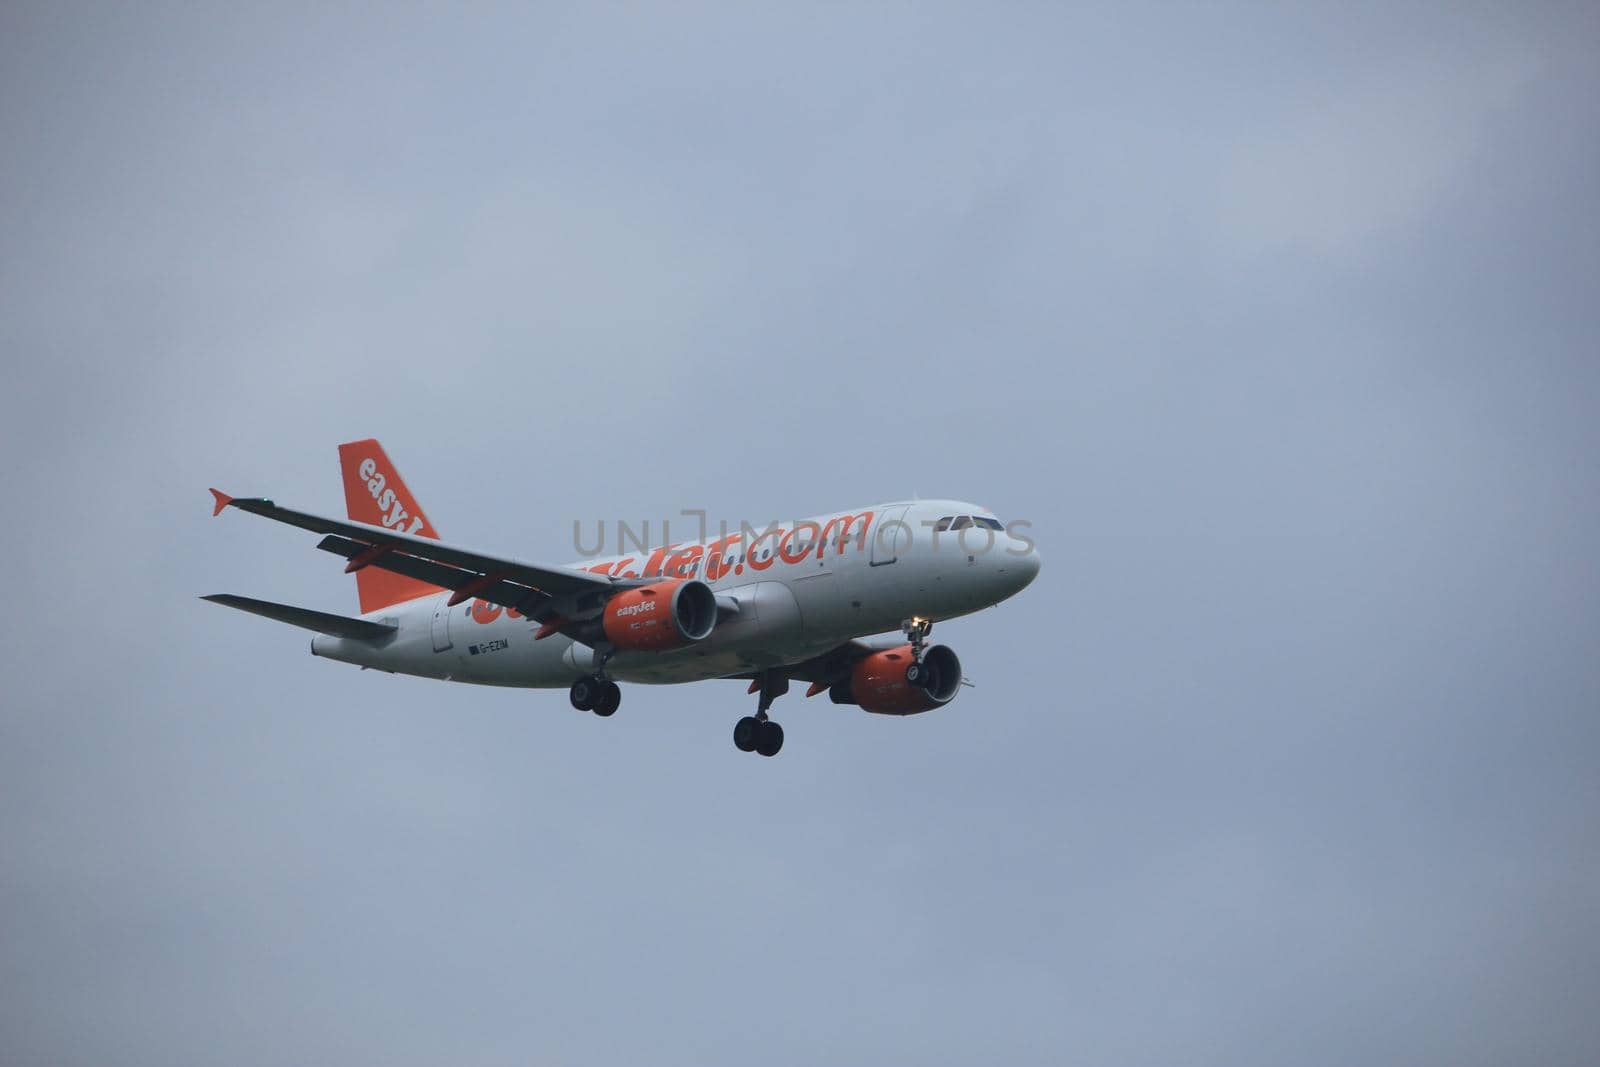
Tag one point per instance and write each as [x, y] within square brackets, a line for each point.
[1019, 570]
[1030, 566]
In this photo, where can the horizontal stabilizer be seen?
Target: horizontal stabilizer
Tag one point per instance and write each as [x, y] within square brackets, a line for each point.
[320, 621]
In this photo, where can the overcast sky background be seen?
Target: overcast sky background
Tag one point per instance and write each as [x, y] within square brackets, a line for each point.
[1281, 327]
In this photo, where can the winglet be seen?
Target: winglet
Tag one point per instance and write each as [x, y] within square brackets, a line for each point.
[223, 500]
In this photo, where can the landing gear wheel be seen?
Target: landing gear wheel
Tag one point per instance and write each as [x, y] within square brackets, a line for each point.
[769, 738]
[744, 734]
[608, 699]
[583, 693]
[757, 733]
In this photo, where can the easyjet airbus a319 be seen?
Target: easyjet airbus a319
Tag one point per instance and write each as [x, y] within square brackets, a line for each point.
[785, 602]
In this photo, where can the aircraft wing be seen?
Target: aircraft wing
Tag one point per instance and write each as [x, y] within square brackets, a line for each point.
[500, 580]
[829, 667]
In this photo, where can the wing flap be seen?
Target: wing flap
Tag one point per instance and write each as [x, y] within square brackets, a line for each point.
[320, 621]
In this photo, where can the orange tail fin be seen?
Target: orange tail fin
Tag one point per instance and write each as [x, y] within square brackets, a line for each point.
[374, 493]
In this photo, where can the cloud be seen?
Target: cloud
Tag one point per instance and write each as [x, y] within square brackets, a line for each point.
[1359, 159]
[1286, 757]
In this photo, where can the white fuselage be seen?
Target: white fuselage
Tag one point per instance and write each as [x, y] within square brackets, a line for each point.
[799, 588]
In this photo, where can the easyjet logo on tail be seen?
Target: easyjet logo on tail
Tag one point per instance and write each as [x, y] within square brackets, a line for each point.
[375, 494]
[390, 510]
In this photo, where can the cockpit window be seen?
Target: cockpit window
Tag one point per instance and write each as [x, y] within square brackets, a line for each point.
[962, 523]
[943, 524]
[987, 523]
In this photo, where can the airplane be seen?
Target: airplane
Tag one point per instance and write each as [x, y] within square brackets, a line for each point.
[786, 602]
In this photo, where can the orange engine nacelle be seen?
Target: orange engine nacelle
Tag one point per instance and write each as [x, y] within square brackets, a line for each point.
[666, 614]
[878, 683]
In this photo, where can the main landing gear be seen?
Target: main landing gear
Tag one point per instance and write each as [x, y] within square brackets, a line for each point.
[597, 694]
[757, 733]
[917, 630]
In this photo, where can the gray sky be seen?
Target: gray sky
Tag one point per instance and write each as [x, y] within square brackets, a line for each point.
[1281, 327]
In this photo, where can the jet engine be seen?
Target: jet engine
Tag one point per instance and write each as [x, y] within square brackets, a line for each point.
[660, 616]
[878, 682]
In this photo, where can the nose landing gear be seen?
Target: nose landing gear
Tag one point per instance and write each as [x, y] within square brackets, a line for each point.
[757, 733]
[917, 630]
